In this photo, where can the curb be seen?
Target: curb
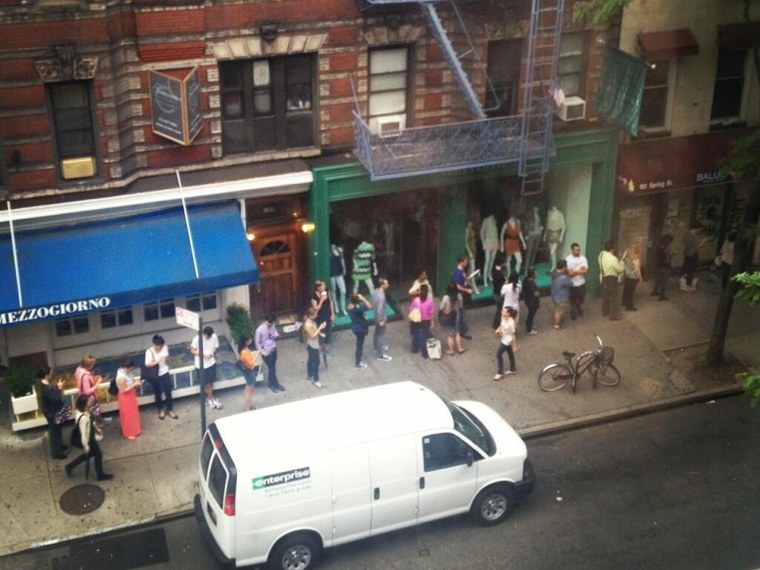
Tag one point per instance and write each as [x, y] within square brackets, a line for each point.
[627, 412]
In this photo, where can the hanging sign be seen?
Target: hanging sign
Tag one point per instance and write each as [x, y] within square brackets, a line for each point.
[175, 103]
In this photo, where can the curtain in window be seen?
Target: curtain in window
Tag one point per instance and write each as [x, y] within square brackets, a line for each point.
[620, 89]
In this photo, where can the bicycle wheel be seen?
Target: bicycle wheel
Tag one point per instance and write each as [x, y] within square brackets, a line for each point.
[607, 374]
[554, 377]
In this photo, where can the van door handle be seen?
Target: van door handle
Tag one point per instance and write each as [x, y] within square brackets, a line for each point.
[377, 493]
[422, 482]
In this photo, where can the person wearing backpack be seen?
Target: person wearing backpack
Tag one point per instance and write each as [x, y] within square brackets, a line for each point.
[84, 436]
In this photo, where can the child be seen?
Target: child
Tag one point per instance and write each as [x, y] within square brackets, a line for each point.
[508, 344]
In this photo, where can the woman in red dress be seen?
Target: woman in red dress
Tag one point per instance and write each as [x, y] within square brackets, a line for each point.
[129, 412]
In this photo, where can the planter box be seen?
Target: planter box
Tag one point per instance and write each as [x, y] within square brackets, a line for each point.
[24, 404]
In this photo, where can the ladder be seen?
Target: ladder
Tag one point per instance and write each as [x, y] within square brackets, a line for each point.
[538, 102]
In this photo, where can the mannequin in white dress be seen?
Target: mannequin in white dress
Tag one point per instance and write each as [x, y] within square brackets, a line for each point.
[512, 238]
[555, 232]
[489, 237]
[471, 243]
[535, 232]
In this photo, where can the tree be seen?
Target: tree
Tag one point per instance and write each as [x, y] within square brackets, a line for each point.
[598, 12]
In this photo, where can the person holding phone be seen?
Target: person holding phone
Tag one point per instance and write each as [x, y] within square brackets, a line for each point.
[313, 332]
[322, 301]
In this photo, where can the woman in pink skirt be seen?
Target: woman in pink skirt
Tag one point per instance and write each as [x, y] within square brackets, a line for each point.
[129, 412]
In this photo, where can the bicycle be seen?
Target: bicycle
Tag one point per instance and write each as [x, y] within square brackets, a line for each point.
[598, 363]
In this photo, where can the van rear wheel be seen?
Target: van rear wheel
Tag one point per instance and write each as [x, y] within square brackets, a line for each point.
[295, 552]
[492, 505]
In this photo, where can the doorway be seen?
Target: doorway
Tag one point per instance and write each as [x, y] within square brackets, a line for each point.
[276, 250]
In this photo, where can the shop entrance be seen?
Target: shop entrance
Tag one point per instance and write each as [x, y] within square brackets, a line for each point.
[276, 252]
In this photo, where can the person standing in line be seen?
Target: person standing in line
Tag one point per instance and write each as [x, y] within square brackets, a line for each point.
[561, 284]
[265, 340]
[322, 302]
[247, 364]
[156, 355]
[381, 319]
[497, 282]
[356, 309]
[84, 421]
[129, 411]
[577, 267]
[691, 244]
[632, 271]
[510, 291]
[459, 277]
[414, 290]
[532, 298]
[506, 330]
[610, 268]
[87, 385]
[725, 259]
[424, 303]
[448, 320]
[210, 346]
[313, 332]
[55, 411]
[662, 260]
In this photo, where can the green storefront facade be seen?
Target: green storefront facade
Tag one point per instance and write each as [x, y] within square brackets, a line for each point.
[419, 222]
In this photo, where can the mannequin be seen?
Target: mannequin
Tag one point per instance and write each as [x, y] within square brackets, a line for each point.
[512, 238]
[535, 231]
[471, 243]
[337, 278]
[364, 266]
[489, 237]
[555, 231]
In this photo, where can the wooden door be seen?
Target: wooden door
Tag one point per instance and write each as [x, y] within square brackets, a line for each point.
[277, 256]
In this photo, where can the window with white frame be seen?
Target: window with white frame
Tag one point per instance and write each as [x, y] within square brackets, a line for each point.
[117, 318]
[203, 302]
[656, 100]
[728, 92]
[161, 310]
[72, 325]
[572, 64]
[388, 84]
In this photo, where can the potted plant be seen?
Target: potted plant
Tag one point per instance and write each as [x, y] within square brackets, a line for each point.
[239, 322]
[20, 380]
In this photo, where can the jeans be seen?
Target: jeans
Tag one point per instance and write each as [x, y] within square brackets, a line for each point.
[312, 364]
[55, 433]
[94, 452]
[661, 282]
[419, 339]
[629, 286]
[378, 339]
[461, 317]
[359, 348]
[532, 310]
[162, 392]
[610, 297]
[500, 360]
[577, 296]
[271, 361]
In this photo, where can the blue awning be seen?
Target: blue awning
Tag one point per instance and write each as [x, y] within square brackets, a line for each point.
[109, 264]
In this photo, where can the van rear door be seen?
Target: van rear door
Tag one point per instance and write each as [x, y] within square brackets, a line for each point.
[448, 474]
[217, 482]
[393, 476]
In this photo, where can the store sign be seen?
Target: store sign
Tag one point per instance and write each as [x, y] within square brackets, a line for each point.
[711, 177]
[54, 311]
[175, 103]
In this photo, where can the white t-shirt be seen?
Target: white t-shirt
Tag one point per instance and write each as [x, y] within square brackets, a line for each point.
[507, 331]
[161, 356]
[574, 263]
[210, 346]
[511, 295]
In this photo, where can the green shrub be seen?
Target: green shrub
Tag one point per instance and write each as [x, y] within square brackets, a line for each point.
[239, 322]
[19, 379]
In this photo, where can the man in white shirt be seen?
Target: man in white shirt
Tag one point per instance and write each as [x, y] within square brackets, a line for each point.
[210, 346]
[577, 267]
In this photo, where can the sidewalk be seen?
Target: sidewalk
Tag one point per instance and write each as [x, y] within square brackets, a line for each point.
[156, 474]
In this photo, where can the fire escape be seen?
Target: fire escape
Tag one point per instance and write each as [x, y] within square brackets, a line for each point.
[525, 139]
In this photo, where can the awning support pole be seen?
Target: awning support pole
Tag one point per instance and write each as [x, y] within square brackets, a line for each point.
[15, 257]
[187, 223]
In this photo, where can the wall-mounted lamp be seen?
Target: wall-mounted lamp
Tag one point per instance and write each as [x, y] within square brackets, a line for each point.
[249, 234]
[307, 227]
[268, 31]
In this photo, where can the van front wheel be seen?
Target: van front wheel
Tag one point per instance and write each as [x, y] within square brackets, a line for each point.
[295, 552]
[492, 505]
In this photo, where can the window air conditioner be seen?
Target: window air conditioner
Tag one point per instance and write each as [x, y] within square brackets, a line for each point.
[572, 109]
[388, 126]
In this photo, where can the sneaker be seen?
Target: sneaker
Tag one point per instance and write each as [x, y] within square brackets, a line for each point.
[385, 358]
[361, 365]
[534, 331]
[105, 477]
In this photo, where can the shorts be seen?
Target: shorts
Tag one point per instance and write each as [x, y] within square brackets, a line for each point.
[209, 375]
[250, 375]
[559, 307]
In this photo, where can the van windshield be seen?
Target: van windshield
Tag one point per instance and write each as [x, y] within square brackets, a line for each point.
[472, 428]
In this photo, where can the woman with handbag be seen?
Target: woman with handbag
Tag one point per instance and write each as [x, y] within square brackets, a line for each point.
[129, 411]
[156, 371]
[313, 331]
[87, 385]
[55, 411]
[447, 316]
[421, 315]
[248, 364]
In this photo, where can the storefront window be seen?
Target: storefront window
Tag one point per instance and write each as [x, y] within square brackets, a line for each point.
[161, 310]
[71, 326]
[207, 301]
[120, 318]
[403, 228]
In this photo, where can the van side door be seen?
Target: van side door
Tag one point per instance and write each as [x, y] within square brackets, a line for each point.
[351, 493]
[393, 476]
[448, 474]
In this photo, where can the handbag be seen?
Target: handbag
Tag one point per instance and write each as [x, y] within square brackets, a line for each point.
[415, 315]
[62, 415]
[447, 319]
[113, 387]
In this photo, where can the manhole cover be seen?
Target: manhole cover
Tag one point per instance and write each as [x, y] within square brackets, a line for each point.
[82, 499]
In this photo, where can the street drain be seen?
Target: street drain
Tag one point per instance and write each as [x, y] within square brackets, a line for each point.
[82, 499]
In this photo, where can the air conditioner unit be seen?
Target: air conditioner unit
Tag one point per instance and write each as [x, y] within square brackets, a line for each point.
[572, 109]
[388, 126]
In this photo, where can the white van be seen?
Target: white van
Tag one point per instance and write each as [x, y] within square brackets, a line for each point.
[279, 484]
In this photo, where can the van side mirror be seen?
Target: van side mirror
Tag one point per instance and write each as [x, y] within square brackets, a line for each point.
[470, 458]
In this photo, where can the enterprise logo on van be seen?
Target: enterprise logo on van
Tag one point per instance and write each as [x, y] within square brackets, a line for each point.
[281, 478]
